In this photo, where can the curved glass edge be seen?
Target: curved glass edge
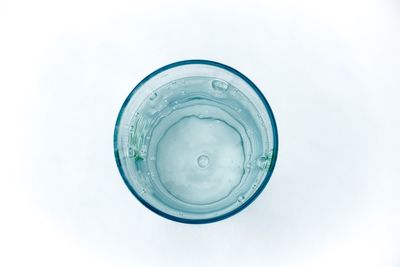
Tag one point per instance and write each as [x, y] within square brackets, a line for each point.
[266, 178]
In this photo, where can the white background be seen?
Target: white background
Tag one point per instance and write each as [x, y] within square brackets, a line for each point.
[330, 71]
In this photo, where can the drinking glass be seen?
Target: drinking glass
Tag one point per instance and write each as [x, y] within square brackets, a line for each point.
[196, 141]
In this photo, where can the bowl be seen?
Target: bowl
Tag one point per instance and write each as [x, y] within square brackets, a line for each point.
[196, 141]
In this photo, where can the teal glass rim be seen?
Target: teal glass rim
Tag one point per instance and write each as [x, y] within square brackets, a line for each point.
[264, 181]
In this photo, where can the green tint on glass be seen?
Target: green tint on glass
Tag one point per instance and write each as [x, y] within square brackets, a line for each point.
[195, 141]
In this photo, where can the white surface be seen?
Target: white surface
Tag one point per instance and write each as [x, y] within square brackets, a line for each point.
[330, 71]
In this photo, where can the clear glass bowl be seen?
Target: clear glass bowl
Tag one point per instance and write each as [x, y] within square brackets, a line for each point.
[196, 141]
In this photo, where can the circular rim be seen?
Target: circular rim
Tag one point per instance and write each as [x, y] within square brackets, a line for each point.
[266, 178]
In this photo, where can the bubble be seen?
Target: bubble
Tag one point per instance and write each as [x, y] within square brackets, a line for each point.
[153, 96]
[262, 162]
[241, 198]
[248, 165]
[131, 152]
[219, 85]
[202, 161]
[144, 191]
[143, 151]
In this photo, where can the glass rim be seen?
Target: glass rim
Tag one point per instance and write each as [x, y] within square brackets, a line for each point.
[265, 180]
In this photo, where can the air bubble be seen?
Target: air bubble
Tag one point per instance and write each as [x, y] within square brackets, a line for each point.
[153, 96]
[241, 198]
[202, 161]
[131, 152]
[248, 165]
[262, 162]
[219, 85]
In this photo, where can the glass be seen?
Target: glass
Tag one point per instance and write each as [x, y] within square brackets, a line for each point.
[195, 141]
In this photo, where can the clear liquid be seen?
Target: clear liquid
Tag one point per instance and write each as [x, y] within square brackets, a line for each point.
[196, 145]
